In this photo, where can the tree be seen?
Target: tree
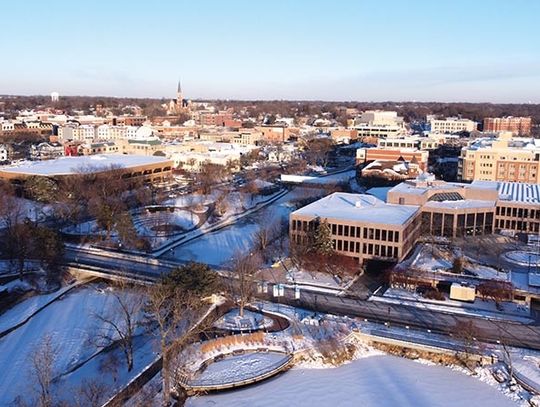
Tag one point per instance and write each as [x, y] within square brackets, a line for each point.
[42, 362]
[41, 189]
[495, 290]
[457, 265]
[467, 333]
[120, 323]
[47, 247]
[179, 315]
[242, 281]
[197, 278]
[322, 239]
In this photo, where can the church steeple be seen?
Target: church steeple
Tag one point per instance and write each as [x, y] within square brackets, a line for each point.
[179, 97]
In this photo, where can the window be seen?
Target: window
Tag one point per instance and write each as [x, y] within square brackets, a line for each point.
[396, 236]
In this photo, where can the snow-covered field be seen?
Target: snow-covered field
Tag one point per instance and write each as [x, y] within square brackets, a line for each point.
[233, 369]
[378, 381]
[70, 324]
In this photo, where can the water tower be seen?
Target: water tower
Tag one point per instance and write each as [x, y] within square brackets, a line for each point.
[55, 96]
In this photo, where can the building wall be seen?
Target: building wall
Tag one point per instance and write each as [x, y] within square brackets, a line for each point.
[361, 240]
[500, 163]
[517, 125]
[452, 125]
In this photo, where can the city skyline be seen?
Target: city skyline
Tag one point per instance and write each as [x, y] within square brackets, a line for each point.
[365, 51]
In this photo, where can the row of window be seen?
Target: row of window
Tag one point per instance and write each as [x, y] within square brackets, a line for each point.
[517, 225]
[367, 248]
[351, 231]
[518, 212]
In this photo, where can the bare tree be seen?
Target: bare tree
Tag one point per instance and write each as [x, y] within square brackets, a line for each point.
[91, 393]
[467, 333]
[42, 363]
[244, 267]
[179, 315]
[120, 324]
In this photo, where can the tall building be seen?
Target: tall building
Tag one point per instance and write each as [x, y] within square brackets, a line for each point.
[379, 124]
[517, 125]
[501, 158]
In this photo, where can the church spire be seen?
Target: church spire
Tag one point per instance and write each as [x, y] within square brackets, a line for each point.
[179, 88]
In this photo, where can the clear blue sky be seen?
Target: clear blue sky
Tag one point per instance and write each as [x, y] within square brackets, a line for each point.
[473, 50]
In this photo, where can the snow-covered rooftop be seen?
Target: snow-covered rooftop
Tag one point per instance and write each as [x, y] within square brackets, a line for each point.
[419, 187]
[72, 165]
[512, 191]
[358, 207]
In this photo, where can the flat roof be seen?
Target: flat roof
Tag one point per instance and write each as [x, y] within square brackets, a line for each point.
[420, 188]
[358, 207]
[513, 191]
[73, 165]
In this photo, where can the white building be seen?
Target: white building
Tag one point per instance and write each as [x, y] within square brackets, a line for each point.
[452, 125]
[379, 124]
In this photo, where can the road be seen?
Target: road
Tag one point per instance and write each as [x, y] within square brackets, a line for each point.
[489, 330]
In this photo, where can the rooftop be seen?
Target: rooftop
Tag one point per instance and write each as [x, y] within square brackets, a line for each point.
[512, 191]
[73, 165]
[358, 207]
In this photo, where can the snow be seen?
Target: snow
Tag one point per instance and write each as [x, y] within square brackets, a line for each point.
[359, 208]
[523, 258]
[481, 308]
[72, 165]
[379, 192]
[381, 381]
[217, 248]
[71, 327]
[513, 191]
[233, 369]
[250, 321]
[429, 257]
[25, 309]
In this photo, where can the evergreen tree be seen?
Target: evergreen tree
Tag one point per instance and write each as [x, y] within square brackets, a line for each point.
[322, 239]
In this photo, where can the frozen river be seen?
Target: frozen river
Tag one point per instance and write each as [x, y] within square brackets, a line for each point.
[218, 248]
[376, 381]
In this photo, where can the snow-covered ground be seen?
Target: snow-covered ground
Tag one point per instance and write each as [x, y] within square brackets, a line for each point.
[25, 309]
[70, 324]
[377, 381]
[488, 309]
[233, 369]
[249, 321]
[439, 258]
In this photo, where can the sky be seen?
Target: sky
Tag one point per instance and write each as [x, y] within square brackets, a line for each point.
[336, 50]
